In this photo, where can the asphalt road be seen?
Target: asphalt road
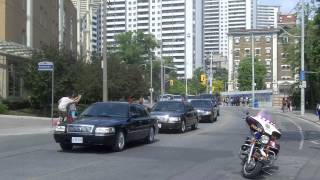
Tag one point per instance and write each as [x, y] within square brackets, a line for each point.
[210, 152]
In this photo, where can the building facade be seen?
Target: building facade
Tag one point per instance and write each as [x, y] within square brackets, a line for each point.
[269, 48]
[170, 21]
[265, 50]
[267, 16]
[31, 24]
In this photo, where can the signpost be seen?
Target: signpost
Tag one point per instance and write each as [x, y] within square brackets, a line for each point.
[48, 66]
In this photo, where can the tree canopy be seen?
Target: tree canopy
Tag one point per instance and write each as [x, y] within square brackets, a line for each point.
[245, 74]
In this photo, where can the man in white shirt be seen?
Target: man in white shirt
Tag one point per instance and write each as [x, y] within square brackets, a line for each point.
[64, 102]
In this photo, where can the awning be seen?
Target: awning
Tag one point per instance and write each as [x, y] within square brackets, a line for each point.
[15, 50]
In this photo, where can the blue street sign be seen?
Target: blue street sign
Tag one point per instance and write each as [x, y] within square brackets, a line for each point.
[302, 75]
[45, 66]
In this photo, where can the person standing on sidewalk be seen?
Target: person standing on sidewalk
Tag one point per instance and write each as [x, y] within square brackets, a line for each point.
[283, 104]
[318, 110]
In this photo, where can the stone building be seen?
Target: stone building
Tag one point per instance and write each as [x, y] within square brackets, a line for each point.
[27, 25]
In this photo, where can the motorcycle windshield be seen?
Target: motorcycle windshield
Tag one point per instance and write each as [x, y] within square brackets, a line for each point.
[260, 124]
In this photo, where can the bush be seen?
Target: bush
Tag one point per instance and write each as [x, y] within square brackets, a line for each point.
[3, 108]
[16, 103]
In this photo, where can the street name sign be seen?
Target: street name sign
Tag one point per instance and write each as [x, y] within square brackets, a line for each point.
[45, 66]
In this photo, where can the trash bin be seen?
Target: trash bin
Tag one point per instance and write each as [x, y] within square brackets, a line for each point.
[256, 104]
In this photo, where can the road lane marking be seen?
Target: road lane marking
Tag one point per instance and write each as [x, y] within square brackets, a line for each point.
[300, 131]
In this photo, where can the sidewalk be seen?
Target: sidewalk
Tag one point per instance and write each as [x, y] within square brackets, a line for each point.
[21, 125]
[308, 115]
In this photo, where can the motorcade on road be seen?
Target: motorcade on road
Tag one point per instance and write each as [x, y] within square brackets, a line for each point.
[175, 115]
[206, 110]
[108, 123]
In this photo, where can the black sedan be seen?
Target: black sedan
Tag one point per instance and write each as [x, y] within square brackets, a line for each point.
[207, 111]
[108, 123]
[175, 115]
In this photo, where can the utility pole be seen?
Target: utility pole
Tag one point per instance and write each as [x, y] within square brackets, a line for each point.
[151, 88]
[302, 60]
[104, 53]
[210, 78]
[252, 64]
[161, 70]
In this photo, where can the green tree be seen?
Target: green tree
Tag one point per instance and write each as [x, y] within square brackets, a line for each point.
[135, 47]
[221, 74]
[245, 74]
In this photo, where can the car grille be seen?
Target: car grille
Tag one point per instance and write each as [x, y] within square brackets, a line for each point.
[75, 128]
[163, 119]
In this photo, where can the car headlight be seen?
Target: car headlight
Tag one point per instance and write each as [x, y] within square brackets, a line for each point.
[60, 129]
[207, 112]
[174, 119]
[104, 130]
[264, 139]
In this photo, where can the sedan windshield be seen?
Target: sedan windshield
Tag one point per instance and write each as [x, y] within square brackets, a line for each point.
[107, 110]
[201, 104]
[169, 106]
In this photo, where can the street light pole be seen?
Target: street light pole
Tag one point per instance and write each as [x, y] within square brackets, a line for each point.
[104, 53]
[161, 70]
[302, 60]
[252, 64]
[210, 78]
[151, 88]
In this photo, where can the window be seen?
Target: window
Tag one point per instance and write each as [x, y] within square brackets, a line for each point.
[236, 41]
[257, 51]
[236, 52]
[247, 51]
[268, 39]
[257, 38]
[268, 51]
[247, 39]
[285, 40]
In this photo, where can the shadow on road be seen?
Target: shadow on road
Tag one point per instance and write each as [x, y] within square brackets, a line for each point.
[104, 149]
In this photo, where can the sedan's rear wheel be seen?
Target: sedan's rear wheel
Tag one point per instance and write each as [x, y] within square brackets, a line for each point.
[66, 147]
[182, 127]
[120, 141]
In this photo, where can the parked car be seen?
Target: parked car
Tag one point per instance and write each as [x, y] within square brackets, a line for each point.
[207, 111]
[108, 123]
[175, 115]
[177, 98]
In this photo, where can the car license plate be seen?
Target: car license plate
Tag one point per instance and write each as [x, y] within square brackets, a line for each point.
[159, 125]
[77, 140]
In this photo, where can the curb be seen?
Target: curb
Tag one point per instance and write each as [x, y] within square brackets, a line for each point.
[24, 117]
[287, 115]
[300, 117]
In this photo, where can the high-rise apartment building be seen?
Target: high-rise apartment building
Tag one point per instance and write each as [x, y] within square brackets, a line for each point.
[170, 21]
[221, 16]
[87, 30]
[267, 16]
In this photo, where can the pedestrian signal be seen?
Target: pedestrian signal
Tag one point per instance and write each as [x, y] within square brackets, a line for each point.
[171, 82]
[203, 78]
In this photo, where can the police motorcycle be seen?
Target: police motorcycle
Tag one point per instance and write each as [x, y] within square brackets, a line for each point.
[259, 151]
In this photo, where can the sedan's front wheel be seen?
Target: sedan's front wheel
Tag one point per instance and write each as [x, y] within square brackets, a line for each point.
[66, 147]
[195, 125]
[120, 141]
[182, 127]
[150, 138]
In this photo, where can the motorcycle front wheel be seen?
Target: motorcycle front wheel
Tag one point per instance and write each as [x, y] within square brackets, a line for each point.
[252, 169]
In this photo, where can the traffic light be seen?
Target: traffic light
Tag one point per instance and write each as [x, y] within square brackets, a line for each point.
[171, 82]
[203, 79]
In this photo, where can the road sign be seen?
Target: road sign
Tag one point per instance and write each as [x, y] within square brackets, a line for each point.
[302, 75]
[45, 66]
[303, 84]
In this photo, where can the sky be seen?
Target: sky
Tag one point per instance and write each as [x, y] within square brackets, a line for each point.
[286, 5]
